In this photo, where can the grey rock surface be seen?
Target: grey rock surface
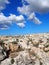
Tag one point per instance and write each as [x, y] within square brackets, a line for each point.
[31, 50]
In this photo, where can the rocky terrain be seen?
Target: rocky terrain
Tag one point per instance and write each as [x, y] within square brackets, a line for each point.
[25, 50]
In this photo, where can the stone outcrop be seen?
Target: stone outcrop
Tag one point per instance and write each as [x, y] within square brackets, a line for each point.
[27, 50]
[2, 54]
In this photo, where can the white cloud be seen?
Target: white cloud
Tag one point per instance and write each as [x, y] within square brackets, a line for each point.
[3, 3]
[38, 6]
[24, 10]
[31, 15]
[4, 19]
[21, 25]
[19, 18]
[33, 18]
[5, 22]
[3, 27]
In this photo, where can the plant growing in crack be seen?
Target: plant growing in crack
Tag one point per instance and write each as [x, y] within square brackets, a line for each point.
[12, 61]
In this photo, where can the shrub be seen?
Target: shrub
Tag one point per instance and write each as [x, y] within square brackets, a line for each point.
[41, 63]
[12, 61]
[1, 42]
[14, 42]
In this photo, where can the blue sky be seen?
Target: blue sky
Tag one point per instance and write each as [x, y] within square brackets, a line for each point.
[19, 17]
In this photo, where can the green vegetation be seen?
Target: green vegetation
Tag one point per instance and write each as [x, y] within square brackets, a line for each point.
[1, 42]
[48, 40]
[36, 44]
[40, 41]
[14, 42]
[12, 61]
[41, 63]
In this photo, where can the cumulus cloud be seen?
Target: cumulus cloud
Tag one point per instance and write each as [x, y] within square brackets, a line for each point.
[3, 3]
[21, 25]
[32, 6]
[5, 22]
[29, 8]
[24, 10]
[33, 18]
[19, 18]
[31, 15]
[39, 6]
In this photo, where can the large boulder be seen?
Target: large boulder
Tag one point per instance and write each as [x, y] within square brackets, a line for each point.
[2, 54]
